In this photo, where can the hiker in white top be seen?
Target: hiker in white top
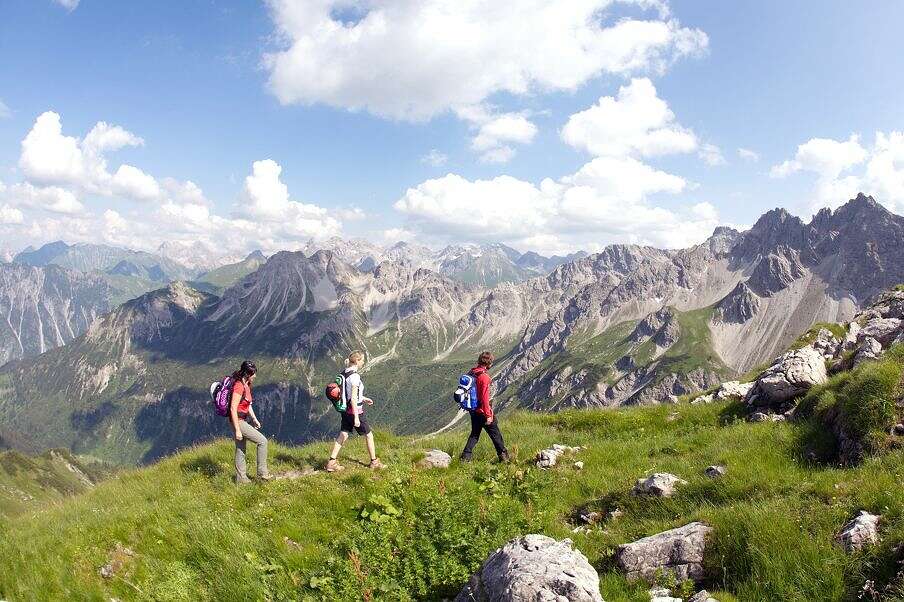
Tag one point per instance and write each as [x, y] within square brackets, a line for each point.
[353, 417]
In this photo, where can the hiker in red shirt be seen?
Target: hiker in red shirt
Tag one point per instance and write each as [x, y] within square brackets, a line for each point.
[482, 417]
[240, 412]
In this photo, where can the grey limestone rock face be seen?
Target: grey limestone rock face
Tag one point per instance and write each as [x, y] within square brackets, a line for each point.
[860, 531]
[679, 551]
[790, 376]
[883, 330]
[534, 568]
[870, 349]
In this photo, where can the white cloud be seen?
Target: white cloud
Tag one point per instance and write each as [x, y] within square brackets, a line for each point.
[711, 154]
[496, 132]
[434, 158]
[634, 123]
[48, 198]
[607, 200]
[844, 168]
[10, 215]
[352, 214]
[69, 5]
[5, 112]
[413, 60]
[824, 156]
[267, 201]
[50, 157]
[748, 155]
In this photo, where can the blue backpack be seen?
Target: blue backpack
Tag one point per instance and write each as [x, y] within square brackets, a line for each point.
[466, 393]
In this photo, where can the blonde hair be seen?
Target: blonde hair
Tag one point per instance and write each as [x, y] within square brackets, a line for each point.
[355, 357]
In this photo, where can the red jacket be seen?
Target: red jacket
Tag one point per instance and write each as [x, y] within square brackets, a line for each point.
[483, 391]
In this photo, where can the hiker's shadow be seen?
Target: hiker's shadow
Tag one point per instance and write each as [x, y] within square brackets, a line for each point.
[204, 465]
[296, 462]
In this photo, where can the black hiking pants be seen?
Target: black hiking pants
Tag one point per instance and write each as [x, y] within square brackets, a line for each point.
[478, 424]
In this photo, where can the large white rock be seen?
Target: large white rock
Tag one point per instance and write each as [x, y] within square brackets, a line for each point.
[733, 390]
[790, 376]
[534, 568]
[883, 330]
[860, 531]
[679, 551]
[660, 484]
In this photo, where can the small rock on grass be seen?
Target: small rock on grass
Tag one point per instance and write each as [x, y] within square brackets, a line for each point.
[579, 465]
[860, 531]
[660, 484]
[435, 458]
[715, 471]
[678, 551]
[702, 596]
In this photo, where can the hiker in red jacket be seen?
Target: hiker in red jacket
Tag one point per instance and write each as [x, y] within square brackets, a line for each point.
[482, 417]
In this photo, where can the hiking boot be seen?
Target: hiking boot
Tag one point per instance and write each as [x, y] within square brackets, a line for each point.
[376, 464]
[504, 458]
[464, 458]
[333, 465]
[242, 480]
[265, 477]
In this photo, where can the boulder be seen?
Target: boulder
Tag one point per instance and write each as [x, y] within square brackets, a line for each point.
[702, 596]
[860, 531]
[678, 551]
[660, 484]
[534, 568]
[733, 390]
[826, 344]
[790, 376]
[435, 458]
[547, 458]
[759, 417]
[850, 339]
[870, 349]
[716, 471]
[709, 398]
[883, 330]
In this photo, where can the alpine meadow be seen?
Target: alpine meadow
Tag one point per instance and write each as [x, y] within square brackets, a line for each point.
[451, 301]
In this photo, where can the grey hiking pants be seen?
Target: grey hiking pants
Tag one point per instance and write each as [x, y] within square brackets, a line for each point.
[249, 433]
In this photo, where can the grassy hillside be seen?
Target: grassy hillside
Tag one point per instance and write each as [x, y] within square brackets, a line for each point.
[30, 482]
[179, 530]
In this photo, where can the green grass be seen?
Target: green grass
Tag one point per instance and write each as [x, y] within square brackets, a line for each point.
[865, 401]
[407, 533]
[837, 330]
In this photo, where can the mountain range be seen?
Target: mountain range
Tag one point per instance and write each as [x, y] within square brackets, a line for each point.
[628, 325]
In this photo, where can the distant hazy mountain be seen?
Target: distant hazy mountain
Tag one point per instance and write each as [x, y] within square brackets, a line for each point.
[87, 257]
[197, 256]
[628, 325]
[481, 265]
[225, 276]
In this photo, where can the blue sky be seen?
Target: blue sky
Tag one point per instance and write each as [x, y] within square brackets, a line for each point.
[343, 130]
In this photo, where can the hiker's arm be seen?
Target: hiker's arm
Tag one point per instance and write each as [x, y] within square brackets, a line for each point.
[483, 397]
[356, 396]
[234, 414]
[257, 423]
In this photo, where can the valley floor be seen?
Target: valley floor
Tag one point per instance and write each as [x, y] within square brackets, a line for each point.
[180, 530]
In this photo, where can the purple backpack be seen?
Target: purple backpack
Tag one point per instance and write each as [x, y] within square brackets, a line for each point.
[222, 396]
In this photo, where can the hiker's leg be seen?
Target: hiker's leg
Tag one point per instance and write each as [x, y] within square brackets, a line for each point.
[477, 421]
[337, 445]
[241, 469]
[364, 429]
[249, 433]
[371, 446]
[496, 437]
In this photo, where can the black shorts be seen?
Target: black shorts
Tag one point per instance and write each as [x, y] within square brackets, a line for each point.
[348, 424]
